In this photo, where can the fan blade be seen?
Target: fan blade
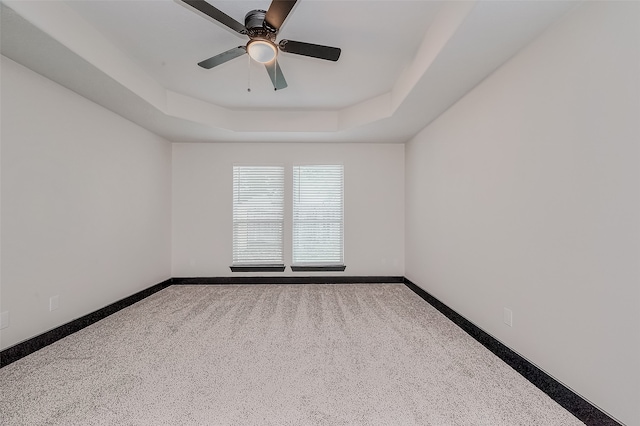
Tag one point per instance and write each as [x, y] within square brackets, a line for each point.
[277, 78]
[278, 12]
[223, 57]
[312, 50]
[205, 8]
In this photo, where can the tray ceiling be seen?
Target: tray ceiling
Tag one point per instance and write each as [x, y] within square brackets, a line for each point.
[403, 63]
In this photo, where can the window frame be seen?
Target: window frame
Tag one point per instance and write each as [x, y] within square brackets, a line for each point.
[328, 265]
[264, 265]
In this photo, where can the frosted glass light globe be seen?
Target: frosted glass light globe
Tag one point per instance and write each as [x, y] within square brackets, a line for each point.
[262, 51]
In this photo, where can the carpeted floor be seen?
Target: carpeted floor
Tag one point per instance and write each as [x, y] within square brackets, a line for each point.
[356, 354]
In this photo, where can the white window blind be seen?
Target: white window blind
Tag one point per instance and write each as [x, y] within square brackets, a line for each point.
[318, 225]
[258, 215]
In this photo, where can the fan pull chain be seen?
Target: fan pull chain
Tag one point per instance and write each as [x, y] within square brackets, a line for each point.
[249, 75]
[275, 71]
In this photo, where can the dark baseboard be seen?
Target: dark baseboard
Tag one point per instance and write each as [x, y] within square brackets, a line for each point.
[288, 280]
[29, 346]
[564, 396]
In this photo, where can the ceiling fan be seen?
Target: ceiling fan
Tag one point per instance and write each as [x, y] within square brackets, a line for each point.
[261, 26]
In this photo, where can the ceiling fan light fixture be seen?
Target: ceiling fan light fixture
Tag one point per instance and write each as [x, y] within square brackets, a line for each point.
[262, 51]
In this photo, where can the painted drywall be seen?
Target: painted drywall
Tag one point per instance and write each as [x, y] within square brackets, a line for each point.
[202, 203]
[526, 195]
[86, 204]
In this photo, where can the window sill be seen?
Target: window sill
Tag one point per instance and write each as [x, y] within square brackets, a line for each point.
[257, 268]
[310, 268]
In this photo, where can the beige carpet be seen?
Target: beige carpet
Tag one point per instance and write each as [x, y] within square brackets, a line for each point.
[364, 354]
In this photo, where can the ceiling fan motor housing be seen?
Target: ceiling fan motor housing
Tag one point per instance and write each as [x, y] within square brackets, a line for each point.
[254, 22]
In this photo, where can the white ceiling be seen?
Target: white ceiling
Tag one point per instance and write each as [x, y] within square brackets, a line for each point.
[403, 63]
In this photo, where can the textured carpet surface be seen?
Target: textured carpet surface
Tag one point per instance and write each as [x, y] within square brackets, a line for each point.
[357, 354]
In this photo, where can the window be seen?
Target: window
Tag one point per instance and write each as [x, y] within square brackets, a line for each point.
[258, 218]
[318, 226]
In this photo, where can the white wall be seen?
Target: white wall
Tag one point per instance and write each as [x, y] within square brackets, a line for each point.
[86, 205]
[526, 195]
[202, 203]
